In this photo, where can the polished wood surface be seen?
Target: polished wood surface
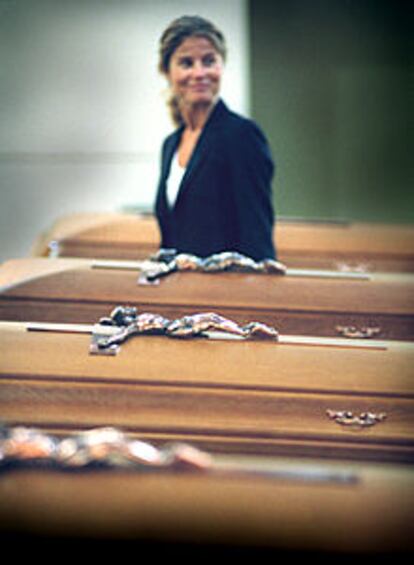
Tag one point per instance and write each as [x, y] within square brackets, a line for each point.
[73, 290]
[371, 517]
[246, 397]
[308, 244]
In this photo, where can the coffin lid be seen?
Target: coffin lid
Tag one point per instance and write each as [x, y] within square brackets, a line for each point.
[77, 280]
[250, 365]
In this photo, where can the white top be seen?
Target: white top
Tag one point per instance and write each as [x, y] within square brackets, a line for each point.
[174, 180]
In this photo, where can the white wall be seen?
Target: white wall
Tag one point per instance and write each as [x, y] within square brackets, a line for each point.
[82, 106]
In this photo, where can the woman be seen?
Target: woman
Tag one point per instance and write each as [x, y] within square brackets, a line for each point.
[214, 192]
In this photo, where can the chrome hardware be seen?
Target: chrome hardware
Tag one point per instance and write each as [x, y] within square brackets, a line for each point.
[352, 332]
[363, 420]
[353, 267]
[53, 249]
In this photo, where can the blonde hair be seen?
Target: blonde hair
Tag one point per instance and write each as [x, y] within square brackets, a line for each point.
[179, 30]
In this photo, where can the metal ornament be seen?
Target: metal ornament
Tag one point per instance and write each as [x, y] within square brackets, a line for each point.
[357, 267]
[125, 321]
[355, 421]
[105, 446]
[110, 448]
[352, 332]
[167, 261]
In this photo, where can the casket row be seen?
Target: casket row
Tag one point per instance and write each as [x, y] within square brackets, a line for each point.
[320, 415]
[343, 246]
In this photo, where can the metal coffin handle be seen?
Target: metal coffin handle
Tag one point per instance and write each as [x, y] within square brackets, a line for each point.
[364, 332]
[348, 418]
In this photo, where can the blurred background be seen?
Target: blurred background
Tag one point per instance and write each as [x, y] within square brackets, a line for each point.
[83, 113]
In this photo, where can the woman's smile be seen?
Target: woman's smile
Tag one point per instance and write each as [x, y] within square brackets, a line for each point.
[195, 72]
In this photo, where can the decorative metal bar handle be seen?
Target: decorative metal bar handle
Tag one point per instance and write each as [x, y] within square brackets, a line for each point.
[363, 420]
[352, 332]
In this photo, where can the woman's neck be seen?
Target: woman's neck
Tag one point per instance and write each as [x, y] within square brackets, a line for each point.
[195, 117]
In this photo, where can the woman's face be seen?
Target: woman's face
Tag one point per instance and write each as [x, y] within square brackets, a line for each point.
[195, 72]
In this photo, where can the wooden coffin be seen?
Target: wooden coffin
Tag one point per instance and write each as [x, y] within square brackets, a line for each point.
[246, 397]
[308, 244]
[174, 515]
[101, 235]
[75, 290]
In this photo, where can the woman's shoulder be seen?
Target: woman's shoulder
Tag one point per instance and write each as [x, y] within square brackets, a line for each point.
[235, 123]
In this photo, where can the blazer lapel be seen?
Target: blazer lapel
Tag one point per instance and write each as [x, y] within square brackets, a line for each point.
[170, 149]
[201, 149]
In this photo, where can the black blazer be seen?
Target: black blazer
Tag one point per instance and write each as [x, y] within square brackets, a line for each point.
[224, 201]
